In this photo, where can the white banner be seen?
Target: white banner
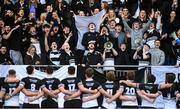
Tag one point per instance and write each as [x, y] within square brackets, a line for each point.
[61, 73]
[160, 73]
[82, 23]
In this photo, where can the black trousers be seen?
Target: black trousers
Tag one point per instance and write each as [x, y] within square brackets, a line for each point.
[27, 105]
[49, 103]
[10, 107]
[76, 103]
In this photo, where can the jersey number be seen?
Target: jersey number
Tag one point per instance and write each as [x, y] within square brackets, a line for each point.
[130, 91]
[110, 91]
[33, 87]
[11, 90]
[71, 87]
[50, 87]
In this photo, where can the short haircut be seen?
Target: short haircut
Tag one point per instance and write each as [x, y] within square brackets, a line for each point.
[49, 70]
[71, 70]
[89, 72]
[11, 72]
[147, 45]
[170, 77]
[92, 23]
[151, 78]
[131, 75]
[110, 76]
[29, 70]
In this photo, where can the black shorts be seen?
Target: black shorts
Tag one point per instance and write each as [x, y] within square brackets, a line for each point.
[178, 104]
[1, 104]
[49, 103]
[129, 107]
[9, 107]
[27, 105]
[147, 107]
[76, 103]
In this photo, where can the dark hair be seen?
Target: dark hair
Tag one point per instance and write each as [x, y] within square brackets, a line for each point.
[12, 72]
[89, 72]
[147, 45]
[151, 78]
[71, 70]
[29, 70]
[131, 75]
[110, 76]
[105, 27]
[170, 77]
[92, 23]
[49, 70]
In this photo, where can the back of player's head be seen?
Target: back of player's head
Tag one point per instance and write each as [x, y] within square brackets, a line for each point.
[151, 78]
[49, 70]
[89, 72]
[30, 70]
[71, 70]
[110, 76]
[131, 75]
[12, 72]
[170, 77]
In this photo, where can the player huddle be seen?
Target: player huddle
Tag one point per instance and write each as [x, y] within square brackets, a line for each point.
[88, 93]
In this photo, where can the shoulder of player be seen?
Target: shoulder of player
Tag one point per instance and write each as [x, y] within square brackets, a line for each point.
[97, 52]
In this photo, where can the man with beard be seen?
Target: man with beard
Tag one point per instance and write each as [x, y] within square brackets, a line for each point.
[4, 56]
[92, 57]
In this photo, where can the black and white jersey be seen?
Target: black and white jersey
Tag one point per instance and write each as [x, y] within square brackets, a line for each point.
[111, 88]
[129, 92]
[51, 83]
[2, 79]
[71, 84]
[169, 96]
[148, 88]
[169, 93]
[32, 84]
[178, 85]
[90, 84]
[8, 88]
[54, 57]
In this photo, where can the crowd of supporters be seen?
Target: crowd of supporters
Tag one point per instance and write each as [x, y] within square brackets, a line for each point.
[87, 93]
[35, 32]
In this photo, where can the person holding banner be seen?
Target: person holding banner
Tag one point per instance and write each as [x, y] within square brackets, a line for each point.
[91, 35]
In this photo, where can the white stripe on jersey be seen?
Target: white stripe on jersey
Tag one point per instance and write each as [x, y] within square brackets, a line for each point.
[26, 100]
[129, 103]
[91, 103]
[14, 101]
[169, 104]
[146, 103]
[54, 57]
[111, 105]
